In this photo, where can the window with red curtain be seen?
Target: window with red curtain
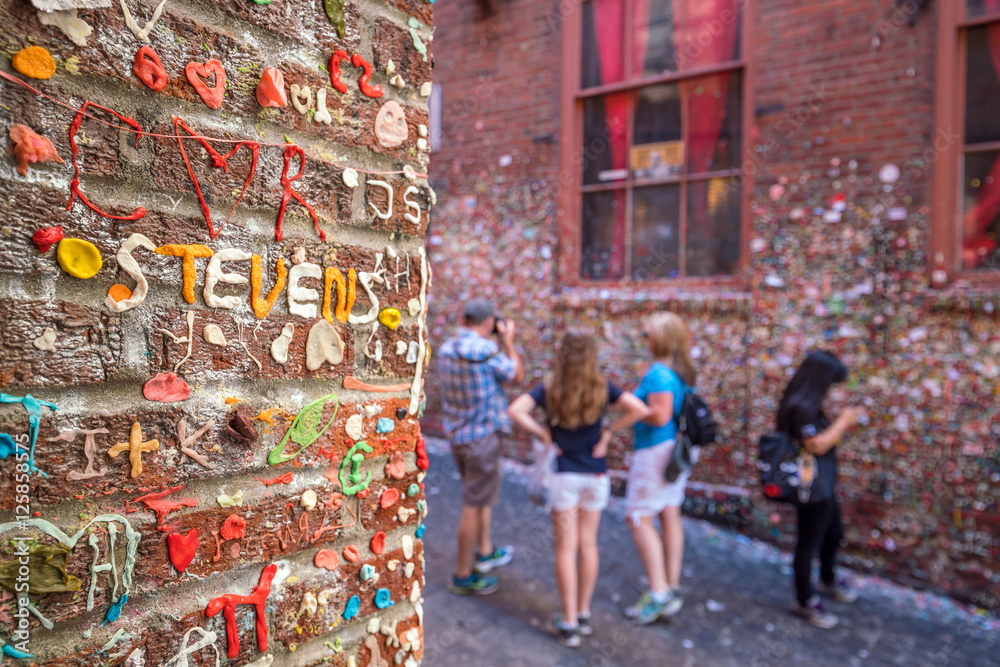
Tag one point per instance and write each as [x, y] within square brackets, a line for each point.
[660, 104]
[979, 193]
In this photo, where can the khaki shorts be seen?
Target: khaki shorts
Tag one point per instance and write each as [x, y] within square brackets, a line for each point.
[479, 465]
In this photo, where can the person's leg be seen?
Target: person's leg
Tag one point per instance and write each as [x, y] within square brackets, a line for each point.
[813, 520]
[588, 525]
[564, 526]
[673, 544]
[468, 529]
[483, 539]
[831, 542]
[650, 548]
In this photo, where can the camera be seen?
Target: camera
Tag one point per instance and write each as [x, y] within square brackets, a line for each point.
[496, 326]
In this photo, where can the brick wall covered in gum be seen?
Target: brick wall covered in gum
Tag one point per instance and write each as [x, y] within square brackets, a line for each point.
[102, 359]
[920, 483]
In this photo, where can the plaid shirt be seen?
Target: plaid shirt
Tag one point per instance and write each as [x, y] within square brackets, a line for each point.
[472, 370]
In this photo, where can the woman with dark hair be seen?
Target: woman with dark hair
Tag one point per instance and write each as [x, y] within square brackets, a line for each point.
[801, 416]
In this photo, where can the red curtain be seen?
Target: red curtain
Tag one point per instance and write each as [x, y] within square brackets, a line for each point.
[609, 19]
[704, 38]
[975, 244]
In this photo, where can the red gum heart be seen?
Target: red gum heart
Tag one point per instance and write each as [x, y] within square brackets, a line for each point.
[218, 161]
[271, 89]
[378, 543]
[351, 553]
[196, 72]
[335, 81]
[182, 548]
[366, 88]
[149, 69]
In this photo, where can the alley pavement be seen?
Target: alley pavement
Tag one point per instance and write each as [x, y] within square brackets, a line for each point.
[737, 593]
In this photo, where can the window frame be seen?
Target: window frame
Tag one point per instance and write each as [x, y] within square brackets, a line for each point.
[571, 187]
[949, 102]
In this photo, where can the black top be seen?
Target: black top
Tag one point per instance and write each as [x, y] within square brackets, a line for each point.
[578, 444]
[804, 427]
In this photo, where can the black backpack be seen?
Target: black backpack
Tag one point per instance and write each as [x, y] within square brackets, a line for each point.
[781, 462]
[695, 428]
[695, 421]
[777, 464]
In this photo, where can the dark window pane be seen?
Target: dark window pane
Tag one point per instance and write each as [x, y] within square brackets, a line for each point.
[602, 42]
[977, 8]
[980, 231]
[603, 242]
[982, 85]
[714, 116]
[605, 140]
[653, 49]
[658, 151]
[713, 227]
[655, 232]
[707, 33]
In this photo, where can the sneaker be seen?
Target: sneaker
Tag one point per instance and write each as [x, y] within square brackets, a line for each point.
[673, 604]
[647, 610]
[840, 591]
[586, 629]
[474, 584]
[500, 557]
[568, 637]
[634, 611]
[814, 612]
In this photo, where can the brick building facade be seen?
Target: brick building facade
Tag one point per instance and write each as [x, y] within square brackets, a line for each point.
[223, 333]
[786, 176]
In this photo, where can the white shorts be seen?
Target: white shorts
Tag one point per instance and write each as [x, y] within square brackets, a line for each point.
[648, 493]
[588, 491]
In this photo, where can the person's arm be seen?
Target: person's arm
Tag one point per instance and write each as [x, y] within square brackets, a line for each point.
[634, 412]
[507, 329]
[520, 413]
[824, 441]
[661, 409]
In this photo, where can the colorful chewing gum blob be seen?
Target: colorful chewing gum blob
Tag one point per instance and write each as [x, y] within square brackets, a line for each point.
[34, 62]
[389, 498]
[421, 451]
[389, 317]
[233, 528]
[271, 89]
[29, 147]
[378, 543]
[149, 69]
[383, 600]
[182, 548]
[326, 559]
[166, 388]
[196, 72]
[352, 608]
[46, 237]
[79, 258]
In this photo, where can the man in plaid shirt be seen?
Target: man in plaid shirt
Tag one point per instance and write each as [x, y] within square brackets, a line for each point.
[472, 369]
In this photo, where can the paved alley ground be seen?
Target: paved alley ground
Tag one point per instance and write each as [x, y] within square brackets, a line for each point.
[737, 593]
